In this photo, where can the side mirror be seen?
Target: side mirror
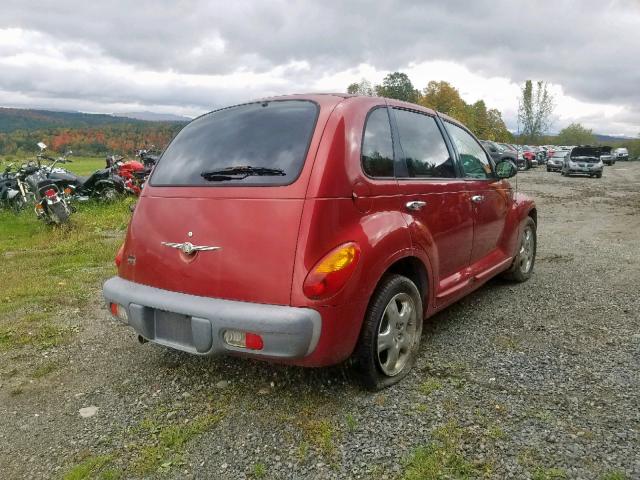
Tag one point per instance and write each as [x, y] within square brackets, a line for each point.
[506, 169]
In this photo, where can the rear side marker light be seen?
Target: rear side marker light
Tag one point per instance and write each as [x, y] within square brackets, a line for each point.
[119, 312]
[239, 339]
[118, 259]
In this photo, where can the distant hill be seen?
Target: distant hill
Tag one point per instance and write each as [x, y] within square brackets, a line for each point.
[12, 119]
[610, 138]
[155, 117]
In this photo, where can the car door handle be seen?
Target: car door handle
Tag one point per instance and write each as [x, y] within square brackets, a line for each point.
[416, 205]
[477, 198]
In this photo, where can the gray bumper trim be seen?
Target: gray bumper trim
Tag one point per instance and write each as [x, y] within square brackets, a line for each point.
[196, 324]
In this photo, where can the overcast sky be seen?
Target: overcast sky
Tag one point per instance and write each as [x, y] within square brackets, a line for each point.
[188, 56]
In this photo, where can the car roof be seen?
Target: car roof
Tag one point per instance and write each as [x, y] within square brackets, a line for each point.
[339, 97]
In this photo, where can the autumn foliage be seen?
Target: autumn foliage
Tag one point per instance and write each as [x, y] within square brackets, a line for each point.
[120, 138]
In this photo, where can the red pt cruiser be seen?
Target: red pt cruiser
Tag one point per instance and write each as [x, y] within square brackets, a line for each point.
[312, 229]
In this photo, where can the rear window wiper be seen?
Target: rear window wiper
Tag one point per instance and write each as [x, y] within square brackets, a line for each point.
[240, 173]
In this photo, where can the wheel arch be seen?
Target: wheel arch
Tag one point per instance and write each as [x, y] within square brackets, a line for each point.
[415, 270]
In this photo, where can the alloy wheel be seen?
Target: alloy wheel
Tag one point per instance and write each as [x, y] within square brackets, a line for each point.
[397, 334]
[526, 251]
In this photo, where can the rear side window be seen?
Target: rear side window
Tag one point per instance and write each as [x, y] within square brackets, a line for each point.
[254, 144]
[425, 152]
[377, 146]
[475, 162]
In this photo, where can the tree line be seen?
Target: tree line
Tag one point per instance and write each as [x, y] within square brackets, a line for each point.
[485, 123]
[122, 138]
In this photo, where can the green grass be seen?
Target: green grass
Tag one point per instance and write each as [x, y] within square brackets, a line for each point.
[259, 470]
[442, 458]
[541, 473]
[153, 446]
[89, 468]
[78, 165]
[429, 386]
[45, 369]
[48, 271]
[615, 475]
[321, 434]
[162, 445]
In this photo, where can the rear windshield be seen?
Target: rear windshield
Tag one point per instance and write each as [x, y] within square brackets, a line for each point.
[254, 144]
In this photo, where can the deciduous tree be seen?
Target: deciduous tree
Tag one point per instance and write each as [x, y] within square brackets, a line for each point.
[534, 111]
[575, 134]
[397, 85]
[363, 87]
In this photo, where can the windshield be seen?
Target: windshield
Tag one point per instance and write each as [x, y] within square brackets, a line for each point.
[261, 137]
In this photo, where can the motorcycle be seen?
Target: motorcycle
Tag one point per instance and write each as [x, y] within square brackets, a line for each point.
[14, 190]
[148, 158]
[132, 172]
[102, 184]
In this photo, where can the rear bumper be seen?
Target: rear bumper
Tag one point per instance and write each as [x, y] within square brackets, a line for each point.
[197, 324]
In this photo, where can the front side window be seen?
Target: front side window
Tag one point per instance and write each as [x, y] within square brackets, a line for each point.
[424, 149]
[475, 163]
[254, 144]
[377, 146]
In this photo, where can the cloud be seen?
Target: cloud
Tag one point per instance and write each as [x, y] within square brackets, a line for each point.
[193, 55]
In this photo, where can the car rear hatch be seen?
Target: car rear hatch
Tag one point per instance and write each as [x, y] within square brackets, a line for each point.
[221, 215]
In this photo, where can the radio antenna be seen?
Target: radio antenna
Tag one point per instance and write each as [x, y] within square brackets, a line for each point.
[518, 149]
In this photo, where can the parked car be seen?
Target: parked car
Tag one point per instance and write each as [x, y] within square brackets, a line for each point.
[583, 160]
[497, 152]
[607, 156]
[555, 163]
[308, 229]
[529, 155]
[621, 154]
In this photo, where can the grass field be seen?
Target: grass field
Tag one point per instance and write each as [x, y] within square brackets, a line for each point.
[47, 270]
[78, 165]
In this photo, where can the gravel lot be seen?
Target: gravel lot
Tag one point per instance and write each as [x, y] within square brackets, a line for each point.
[537, 380]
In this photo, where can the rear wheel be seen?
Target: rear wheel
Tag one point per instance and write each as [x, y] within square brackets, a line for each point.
[108, 194]
[391, 331]
[522, 267]
[58, 212]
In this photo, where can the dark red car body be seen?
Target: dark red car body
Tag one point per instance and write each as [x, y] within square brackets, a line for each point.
[271, 237]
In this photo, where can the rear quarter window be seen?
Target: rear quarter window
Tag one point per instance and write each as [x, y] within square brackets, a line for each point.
[377, 145]
[265, 135]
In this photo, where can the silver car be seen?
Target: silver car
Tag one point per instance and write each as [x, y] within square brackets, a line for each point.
[583, 160]
[555, 162]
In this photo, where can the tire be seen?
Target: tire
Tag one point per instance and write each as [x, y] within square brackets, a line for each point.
[522, 267]
[548, 169]
[18, 204]
[108, 194]
[599, 175]
[373, 356]
[59, 213]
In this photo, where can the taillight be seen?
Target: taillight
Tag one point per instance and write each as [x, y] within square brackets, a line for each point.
[240, 339]
[119, 255]
[331, 273]
[119, 312]
[50, 193]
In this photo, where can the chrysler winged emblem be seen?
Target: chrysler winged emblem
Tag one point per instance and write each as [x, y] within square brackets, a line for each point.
[189, 248]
